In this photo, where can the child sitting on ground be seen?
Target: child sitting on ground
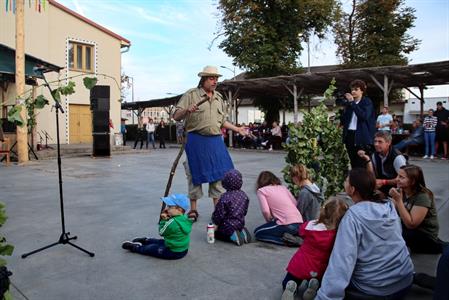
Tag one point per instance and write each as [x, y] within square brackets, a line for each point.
[310, 261]
[310, 197]
[174, 227]
[230, 211]
[278, 207]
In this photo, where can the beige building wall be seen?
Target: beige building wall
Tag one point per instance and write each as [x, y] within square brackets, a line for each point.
[47, 36]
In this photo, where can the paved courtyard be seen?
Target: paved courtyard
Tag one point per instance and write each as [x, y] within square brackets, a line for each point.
[109, 200]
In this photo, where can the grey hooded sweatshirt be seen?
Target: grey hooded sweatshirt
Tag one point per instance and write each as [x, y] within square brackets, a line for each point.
[309, 202]
[369, 253]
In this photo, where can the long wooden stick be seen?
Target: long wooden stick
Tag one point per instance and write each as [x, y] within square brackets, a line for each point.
[175, 165]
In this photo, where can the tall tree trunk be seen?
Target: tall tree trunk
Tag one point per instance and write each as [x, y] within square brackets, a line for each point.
[22, 131]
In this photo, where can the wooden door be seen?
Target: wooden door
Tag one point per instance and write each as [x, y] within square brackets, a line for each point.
[80, 129]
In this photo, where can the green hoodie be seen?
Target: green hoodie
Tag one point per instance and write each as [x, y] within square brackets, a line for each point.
[176, 231]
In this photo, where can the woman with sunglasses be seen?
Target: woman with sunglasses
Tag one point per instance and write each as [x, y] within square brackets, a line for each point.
[416, 207]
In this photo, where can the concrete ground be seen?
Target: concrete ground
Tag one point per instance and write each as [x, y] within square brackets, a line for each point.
[109, 200]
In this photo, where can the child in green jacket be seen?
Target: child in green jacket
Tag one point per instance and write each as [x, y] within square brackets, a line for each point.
[174, 227]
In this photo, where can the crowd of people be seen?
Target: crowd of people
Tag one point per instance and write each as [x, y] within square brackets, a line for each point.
[354, 247]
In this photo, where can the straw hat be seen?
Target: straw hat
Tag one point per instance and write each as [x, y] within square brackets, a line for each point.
[209, 71]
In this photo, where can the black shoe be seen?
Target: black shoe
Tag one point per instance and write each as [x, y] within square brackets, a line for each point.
[141, 240]
[424, 281]
[127, 245]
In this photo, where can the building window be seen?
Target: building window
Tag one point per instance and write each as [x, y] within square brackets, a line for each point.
[81, 57]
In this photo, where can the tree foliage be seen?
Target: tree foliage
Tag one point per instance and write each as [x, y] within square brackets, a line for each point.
[264, 37]
[374, 33]
[318, 145]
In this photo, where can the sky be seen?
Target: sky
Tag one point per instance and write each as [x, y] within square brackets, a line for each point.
[172, 41]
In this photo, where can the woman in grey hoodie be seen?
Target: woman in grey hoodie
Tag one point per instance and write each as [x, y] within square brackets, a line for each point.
[370, 257]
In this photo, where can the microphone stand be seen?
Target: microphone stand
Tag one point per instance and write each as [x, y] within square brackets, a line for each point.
[64, 238]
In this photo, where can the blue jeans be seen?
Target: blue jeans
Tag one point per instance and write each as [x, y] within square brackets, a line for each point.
[271, 232]
[150, 138]
[429, 139]
[404, 144]
[156, 248]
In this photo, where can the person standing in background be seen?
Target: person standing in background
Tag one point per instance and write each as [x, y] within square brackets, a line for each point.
[150, 128]
[384, 120]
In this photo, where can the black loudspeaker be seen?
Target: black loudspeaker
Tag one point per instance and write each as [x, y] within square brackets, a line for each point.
[100, 121]
[100, 98]
[100, 91]
[101, 146]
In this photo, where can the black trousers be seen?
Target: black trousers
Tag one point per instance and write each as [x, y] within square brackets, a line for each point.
[352, 148]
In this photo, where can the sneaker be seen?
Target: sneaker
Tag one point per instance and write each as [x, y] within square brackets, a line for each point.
[236, 238]
[310, 293]
[432, 157]
[264, 143]
[443, 158]
[425, 156]
[302, 288]
[292, 240]
[424, 281]
[127, 245]
[290, 290]
[271, 149]
[141, 240]
[246, 236]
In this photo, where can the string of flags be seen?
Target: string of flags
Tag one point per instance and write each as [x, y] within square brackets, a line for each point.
[39, 5]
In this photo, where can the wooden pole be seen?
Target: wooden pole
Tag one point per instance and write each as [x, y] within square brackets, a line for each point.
[22, 131]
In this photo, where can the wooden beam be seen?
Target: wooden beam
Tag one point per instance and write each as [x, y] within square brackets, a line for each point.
[22, 131]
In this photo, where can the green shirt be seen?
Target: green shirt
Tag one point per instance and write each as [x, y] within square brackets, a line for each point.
[429, 225]
[209, 117]
[176, 232]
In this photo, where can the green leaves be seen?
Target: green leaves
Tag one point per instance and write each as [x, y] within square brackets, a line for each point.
[40, 102]
[14, 115]
[67, 89]
[374, 33]
[90, 82]
[5, 248]
[318, 140]
[263, 36]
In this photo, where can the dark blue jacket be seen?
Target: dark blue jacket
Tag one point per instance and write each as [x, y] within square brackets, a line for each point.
[366, 121]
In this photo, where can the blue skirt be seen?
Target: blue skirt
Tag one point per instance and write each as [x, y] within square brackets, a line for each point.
[208, 157]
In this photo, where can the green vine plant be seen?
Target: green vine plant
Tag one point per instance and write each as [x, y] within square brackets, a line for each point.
[317, 143]
[40, 101]
[5, 248]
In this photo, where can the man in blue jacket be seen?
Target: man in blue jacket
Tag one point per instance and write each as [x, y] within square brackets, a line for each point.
[359, 122]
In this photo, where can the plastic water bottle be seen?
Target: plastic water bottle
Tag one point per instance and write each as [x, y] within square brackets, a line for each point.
[210, 233]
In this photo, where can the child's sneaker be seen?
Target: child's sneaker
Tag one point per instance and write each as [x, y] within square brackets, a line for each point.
[141, 240]
[310, 293]
[246, 236]
[302, 288]
[236, 238]
[127, 245]
[290, 290]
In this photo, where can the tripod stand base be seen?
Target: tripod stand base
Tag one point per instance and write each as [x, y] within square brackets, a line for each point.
[63, 239]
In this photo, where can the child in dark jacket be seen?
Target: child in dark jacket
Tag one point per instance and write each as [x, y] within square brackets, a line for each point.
[230, 211]
[174, 227]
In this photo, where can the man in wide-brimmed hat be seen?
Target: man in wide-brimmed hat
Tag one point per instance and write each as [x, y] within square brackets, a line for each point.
[207, 156]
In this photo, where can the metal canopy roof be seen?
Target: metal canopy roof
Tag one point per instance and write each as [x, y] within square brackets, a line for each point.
[8, 65]
[151, 103]
[315, 83]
